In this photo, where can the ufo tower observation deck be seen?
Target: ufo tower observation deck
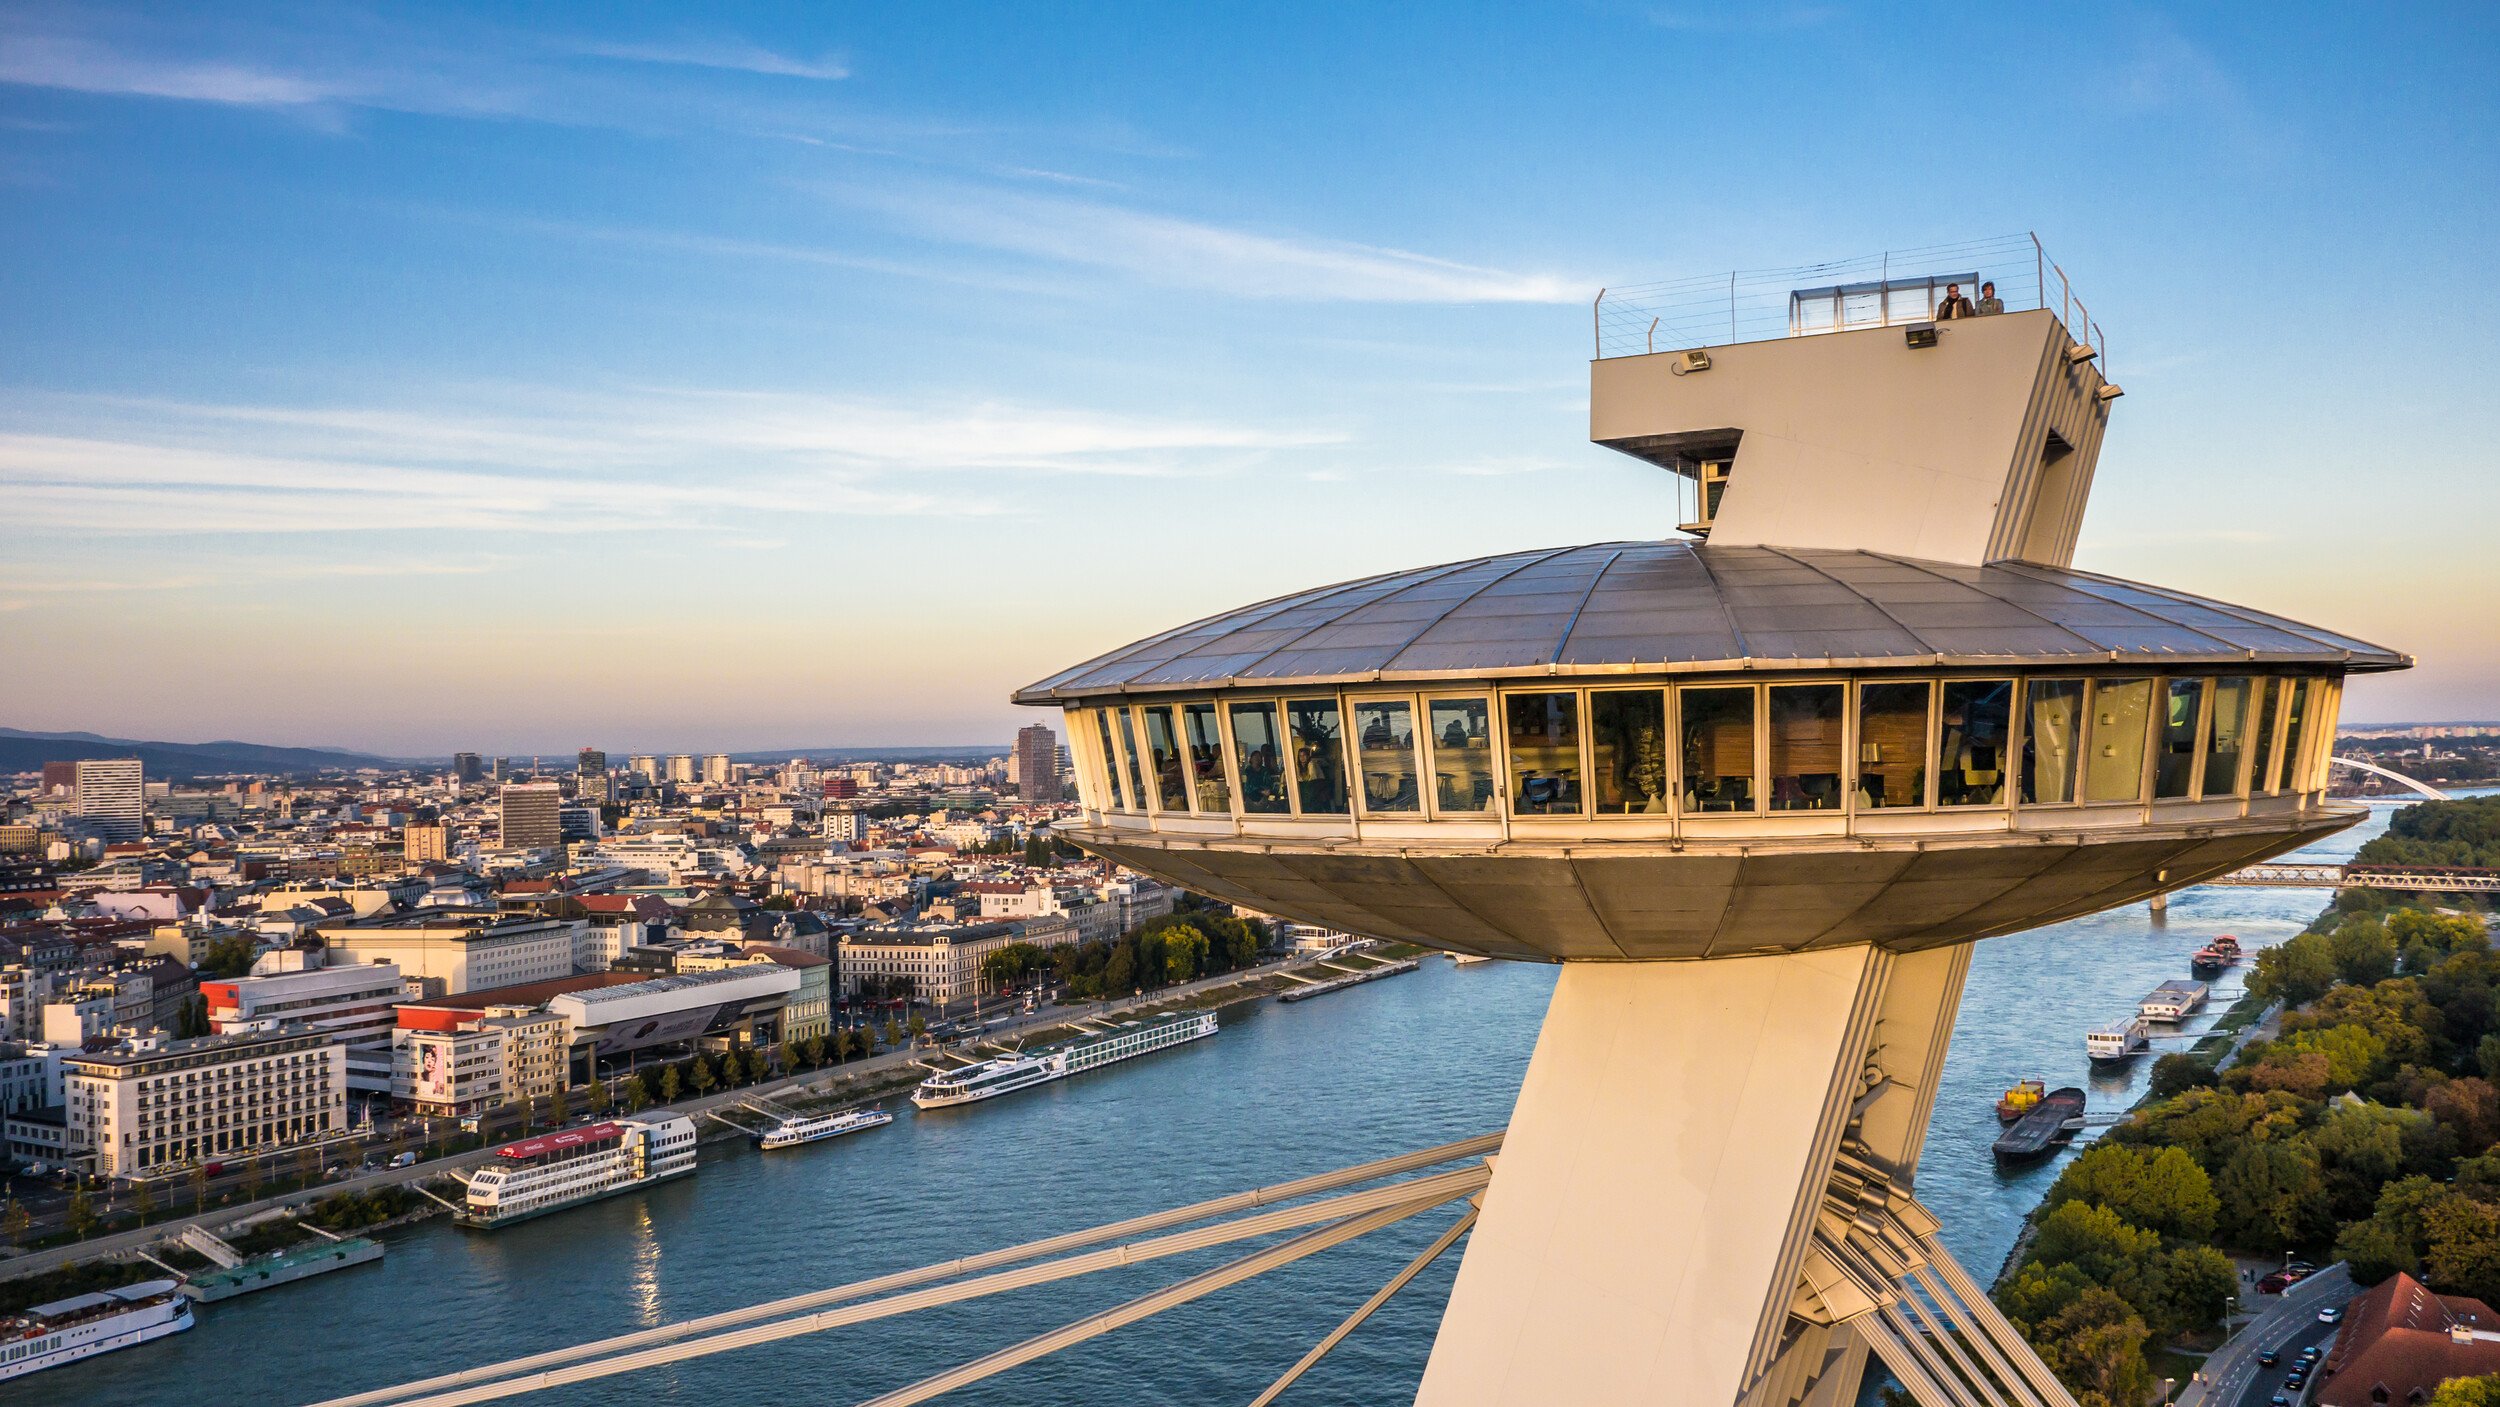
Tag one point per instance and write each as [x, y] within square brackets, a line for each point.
[1759, 789]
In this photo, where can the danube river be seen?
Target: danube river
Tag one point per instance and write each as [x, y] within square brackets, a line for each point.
[1282, 1092]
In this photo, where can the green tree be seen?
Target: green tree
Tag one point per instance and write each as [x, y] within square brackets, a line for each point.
[2037, 1292]
[81, 1216]
[2463, 1256]
[635, 1095]
[1037, 852]
[2364, 952]
[1184, 953]
[2395, 1236]
[703, 1078]
[893, 1031]
[2094, 1240]
[919, 1025]
[2096, 1345]
[2273, 1198]
[2294, 973]
[13, 1222]
[669, 1085]
[143, 1196]
[199, 1188]
[2162, 1190]
[814, 1050]
[251, 1180]
[2467, 1392]
[599, 1096]
[2176, 1073]
[2191, 1286]
[792, 1052]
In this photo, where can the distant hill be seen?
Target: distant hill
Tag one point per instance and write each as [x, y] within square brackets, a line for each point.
[21, 751]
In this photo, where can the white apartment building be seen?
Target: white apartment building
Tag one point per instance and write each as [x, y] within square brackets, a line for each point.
[159, 1104]
[448, 1074]
[845, 827]
[716, 769]
[467, 953]
[30, 1077]
[76, 1013]
[1141, 900]
[112, 798]
[1097, 920]
[352, 1001]
[23, 993]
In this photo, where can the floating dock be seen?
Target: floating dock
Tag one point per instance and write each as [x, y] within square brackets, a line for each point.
[2174, 1000]
[315, 1257]
[2111, 1044]
[1352, 979]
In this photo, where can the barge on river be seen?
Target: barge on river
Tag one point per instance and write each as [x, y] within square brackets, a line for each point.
[991, 1078]
[2044, 1128]
[2214, 957]
[83, 1326]
[571, 1166]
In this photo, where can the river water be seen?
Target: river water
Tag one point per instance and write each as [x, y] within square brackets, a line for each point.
[1282, 1092]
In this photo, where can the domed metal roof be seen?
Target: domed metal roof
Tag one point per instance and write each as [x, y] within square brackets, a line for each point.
[1683, 607]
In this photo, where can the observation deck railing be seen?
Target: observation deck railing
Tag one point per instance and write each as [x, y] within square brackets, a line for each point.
[1878, 290]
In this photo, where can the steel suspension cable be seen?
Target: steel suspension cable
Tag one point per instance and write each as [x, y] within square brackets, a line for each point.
[1430, 1191]
[1355, 1320]
[968, 1265]
[1094, 1326]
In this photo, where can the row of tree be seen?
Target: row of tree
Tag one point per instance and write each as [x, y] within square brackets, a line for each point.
[2344, 1131]
[2445, 833]
[1180, 947]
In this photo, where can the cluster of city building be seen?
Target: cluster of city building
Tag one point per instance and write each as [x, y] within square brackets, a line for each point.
[191, 972]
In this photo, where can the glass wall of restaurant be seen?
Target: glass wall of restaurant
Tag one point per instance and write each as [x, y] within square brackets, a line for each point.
[1714, 749]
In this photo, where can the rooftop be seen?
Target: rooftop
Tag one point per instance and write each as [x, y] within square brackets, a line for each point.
[1682, 607]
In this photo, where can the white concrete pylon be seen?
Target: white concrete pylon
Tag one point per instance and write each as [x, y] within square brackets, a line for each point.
[1704, 1195]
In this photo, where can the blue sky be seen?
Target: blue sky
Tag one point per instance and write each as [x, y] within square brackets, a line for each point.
[428, 378]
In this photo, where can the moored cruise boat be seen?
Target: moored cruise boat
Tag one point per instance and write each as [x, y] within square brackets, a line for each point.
[809, 1128]
[1007, 1074]
[571, 1166]
[2211, 959]
[2111, 1044]
[83, 1326]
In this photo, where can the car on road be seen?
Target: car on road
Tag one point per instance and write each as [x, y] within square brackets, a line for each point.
[2278, 1400]
[2269, 1357]
[2330, 1314]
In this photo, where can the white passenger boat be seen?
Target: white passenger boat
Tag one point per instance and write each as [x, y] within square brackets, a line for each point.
[565, 1169]
[2111, 1044]
[83, 1326]
[809, 1128]
[1025, 1069]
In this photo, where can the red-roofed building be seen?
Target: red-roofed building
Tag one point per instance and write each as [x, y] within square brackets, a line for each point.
[2401, 1341]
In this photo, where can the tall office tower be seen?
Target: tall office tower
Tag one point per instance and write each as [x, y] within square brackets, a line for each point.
[681, 768]
[530, 816]
[112, 797]
[841, 788]
[59, 777]
[591, 768]
[503, 769]
[1037, 763]
[716, 768]
[466, 768]
[423, 844]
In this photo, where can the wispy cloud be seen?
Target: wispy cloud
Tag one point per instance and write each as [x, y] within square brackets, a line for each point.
[81, 65]
[1191, 254]
[687, 460]
[727, 54]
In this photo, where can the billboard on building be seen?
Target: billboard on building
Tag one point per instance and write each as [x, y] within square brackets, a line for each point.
[434, 1072]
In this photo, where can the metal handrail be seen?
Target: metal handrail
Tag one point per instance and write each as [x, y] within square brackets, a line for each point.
[1760, 305]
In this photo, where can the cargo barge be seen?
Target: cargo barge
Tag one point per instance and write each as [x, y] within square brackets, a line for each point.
[2043, 1129]
[2216, 956]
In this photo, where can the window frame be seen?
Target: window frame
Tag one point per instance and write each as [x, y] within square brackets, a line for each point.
[1756, 792]
[1357, 795]
[1580, 735]
[1497, 806]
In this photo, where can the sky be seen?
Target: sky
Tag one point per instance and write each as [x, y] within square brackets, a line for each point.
[516, 379]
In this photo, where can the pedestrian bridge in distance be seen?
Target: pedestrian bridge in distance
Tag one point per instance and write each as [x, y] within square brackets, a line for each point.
[2407, 879]
[2390, 774]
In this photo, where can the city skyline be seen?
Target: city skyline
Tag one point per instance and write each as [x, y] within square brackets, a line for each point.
[428, 380]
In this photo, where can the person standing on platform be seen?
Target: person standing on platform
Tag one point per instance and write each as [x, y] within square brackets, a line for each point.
[1953, 304]
[1989, 304]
